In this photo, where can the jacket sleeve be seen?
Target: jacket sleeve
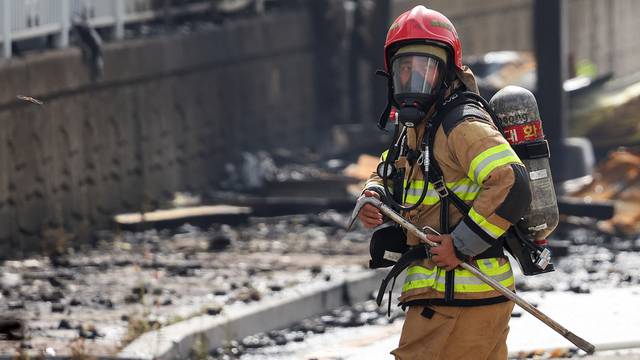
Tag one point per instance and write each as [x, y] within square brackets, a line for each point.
[490, 162]
[375, 183]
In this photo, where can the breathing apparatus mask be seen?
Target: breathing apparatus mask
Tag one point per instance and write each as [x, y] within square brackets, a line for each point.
[417, 79]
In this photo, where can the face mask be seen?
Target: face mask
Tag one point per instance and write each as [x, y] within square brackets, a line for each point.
[417, 83]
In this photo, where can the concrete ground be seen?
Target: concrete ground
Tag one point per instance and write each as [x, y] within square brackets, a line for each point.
[602, 317]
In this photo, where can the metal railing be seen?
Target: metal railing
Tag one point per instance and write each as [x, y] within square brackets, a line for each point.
[25, 19]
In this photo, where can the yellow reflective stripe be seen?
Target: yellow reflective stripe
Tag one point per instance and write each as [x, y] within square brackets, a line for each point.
[465, 281]
[420, 284]
[428, 200]
[493, 230]
[467, 195]
[383, 157]
[462, 182]
[494, 269]
[470, 288]
[485, 162]
[492, 266]
[488, 265]
[483, 155]
[464, 188]
[415, 190]
[419, 277]
[417, 269]
[497, 163]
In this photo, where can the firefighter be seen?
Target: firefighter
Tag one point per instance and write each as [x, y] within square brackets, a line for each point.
[450, 313]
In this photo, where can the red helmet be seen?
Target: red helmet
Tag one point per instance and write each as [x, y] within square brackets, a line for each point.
[421, 23]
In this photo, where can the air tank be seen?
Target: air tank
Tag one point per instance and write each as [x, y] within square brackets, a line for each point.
[517, 113]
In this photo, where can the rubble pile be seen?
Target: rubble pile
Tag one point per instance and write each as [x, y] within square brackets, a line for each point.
[592, 260]
[258, 170]
[136, 282]
[587, 266]
[617, 178]
[271, 343]
[96, 300]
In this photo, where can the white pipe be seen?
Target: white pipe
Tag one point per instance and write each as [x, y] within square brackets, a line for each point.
[6, 28]
[65, 19]
[119, 15]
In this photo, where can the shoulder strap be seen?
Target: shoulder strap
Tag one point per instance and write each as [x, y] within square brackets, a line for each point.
[453, 111]
[456, 113]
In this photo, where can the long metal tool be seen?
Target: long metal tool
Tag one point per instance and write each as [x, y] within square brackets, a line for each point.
[575, 339]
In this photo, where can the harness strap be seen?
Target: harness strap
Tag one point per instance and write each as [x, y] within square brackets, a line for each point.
[535, 150]
[444, 226]
[436, 176]
[415, 253]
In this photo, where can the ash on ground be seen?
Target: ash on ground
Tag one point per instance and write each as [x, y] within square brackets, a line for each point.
[586, 260]
[274, 344]
[98, 300]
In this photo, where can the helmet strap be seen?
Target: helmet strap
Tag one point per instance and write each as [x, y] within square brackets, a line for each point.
[384, 117]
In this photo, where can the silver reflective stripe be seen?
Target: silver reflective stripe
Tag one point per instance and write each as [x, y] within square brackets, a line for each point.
[466, 188]
[472, 280]
[487, 263]
[420, 276]
[418, 192]
[462, 188]
[489, 159]
[462, 280]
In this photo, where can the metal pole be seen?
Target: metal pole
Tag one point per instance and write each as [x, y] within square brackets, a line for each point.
[550, 39]
[6, 28]
[378, 30]
[119, 10]
[260, 7]
[65, 13]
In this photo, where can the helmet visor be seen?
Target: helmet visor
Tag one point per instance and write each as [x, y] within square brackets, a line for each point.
[416, 74]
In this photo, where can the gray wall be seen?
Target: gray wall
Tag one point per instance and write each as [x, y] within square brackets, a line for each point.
[601, 31]
[606, 32]
[167, 113]
[483, 25]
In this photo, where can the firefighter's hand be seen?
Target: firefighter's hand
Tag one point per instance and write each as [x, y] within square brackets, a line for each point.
[370, 216]
[444, 255]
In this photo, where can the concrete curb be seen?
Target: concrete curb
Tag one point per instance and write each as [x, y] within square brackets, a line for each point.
[237, 321]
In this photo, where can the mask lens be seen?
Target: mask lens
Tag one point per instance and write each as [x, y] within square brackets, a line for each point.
[416, 74]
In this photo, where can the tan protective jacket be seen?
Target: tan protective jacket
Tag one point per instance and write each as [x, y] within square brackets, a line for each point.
[478, 165]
